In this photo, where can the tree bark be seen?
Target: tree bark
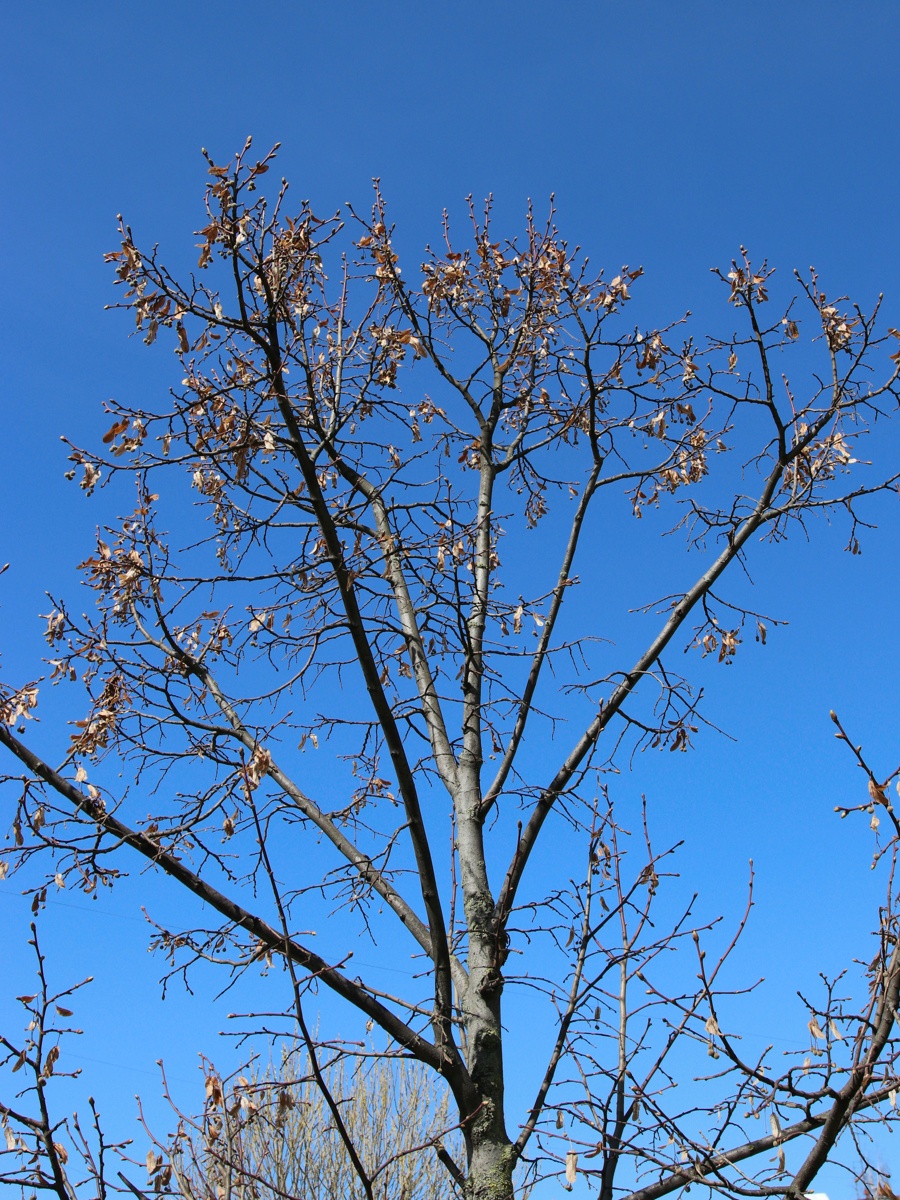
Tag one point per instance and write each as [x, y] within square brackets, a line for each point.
[491, 1164]
[491, 1154]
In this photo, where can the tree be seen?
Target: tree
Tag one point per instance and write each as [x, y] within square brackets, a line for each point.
[291, 1130]
[362, 450]
[275, 1134]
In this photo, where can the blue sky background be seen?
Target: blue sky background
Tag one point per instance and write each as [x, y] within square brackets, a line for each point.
[671, 133]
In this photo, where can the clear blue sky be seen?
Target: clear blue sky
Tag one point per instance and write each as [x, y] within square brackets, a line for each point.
[671, 132]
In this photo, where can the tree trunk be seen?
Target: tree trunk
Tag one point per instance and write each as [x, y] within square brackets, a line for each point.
[490, 1152]
[490, 1170]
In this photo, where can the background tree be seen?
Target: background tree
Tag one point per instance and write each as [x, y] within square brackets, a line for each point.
[274, 1135]
[295, 1129]
[364, 450]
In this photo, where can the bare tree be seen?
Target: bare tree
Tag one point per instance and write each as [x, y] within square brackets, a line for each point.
[37, 1145]
[274, 1135]
[363, 446]
[302, 1128]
